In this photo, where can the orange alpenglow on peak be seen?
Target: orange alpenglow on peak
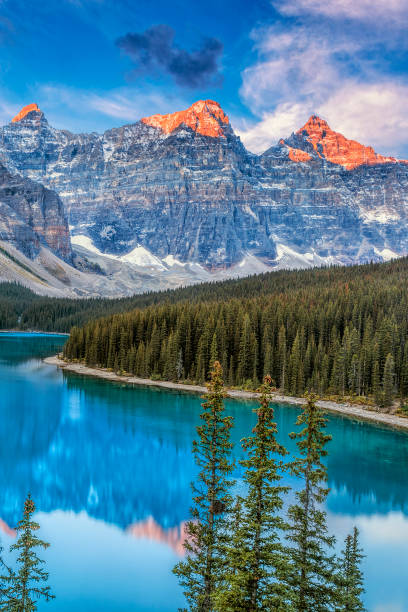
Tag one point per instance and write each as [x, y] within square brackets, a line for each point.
[338, 149]
[296, 155]
[24, 111]
[205, 117]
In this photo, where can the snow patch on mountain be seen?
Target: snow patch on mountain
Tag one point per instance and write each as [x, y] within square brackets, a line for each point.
[288, 258]
[171, 261]
[379, 215]
[386, 254]
[139, 256]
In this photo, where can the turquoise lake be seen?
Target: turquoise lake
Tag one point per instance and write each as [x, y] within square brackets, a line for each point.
[109, 469]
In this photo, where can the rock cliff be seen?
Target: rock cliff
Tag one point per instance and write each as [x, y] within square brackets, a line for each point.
[181, 189]
[337, 149]
[31, 216]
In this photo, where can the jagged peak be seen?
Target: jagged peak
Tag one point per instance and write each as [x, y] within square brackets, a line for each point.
[205, 117]
[314, 122]
[25, 110]
[338, 149]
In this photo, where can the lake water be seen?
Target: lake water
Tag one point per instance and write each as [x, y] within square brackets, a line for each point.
[109, 468]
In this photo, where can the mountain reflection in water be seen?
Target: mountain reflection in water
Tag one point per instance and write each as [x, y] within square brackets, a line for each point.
[112, 456]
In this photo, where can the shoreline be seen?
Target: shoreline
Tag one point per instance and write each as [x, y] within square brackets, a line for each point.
[33, 332]
[348, 410]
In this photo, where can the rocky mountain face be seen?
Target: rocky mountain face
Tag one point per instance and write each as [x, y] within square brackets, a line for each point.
[337, 149]
[180, 191]
[31, 216]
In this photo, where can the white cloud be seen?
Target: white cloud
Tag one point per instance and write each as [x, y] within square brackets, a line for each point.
[301, 71]
[292, 65]
[375, 114]
[382, 530]
[279, 124]
[77, 109]
[114, 104]
[294, 75]
[370, 10]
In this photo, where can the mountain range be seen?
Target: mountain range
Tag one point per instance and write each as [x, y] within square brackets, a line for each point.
[176, 199]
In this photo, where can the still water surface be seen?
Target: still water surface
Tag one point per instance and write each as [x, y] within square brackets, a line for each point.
[109, 468]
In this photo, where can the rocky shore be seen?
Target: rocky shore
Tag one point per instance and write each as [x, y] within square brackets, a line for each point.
[348, 410]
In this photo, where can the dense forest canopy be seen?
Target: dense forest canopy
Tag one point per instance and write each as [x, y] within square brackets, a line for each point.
[20, 308]
[338, 330]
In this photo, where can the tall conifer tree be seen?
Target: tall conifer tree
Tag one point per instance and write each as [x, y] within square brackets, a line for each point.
[255, 557]
[389, 380]
[5, 576]
[311, 577]
[27, 584]
[201, 572]
[351, 578]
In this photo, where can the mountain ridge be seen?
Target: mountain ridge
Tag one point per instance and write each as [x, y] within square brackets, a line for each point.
[338, 149]
[179, 194]
[205, 117]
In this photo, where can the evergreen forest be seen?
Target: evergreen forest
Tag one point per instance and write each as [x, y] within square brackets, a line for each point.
[250, 551]
[339, 331]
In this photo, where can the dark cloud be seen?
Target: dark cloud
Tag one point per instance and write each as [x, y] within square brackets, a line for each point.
[154, 49]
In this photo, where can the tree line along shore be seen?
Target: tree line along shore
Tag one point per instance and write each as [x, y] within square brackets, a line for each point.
[353, 411]
[340, 332]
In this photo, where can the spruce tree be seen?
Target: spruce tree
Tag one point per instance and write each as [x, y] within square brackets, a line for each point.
[377, 392]
[268, 359]
[282, 357]
[214, 349]
[26, 584]
[246, 356]
[179, 364]
[5, 576]
[201, 572]
[311, 574]
[231, 592]
[295, 378]
[389, 380]
[255, 557]
[350, 576]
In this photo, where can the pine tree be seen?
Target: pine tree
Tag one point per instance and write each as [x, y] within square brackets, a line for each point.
[214, 349]
[350, 576]
[404, 373]
[201, 356]
[154, 349]
[268, 359]
[311, 574]
[231, 592]
[389, 380]
[246, 356]
[296, 380]
[255, 556]
[282, 357]
[6, 575]
[179, 364]
[24, 585]
[377, 392]
[354, 375]
[201, 572]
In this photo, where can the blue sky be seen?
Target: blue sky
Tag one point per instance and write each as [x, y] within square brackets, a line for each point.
[95, 64]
